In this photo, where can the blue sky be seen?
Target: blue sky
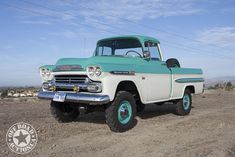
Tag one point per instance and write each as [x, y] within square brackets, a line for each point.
[200, 33]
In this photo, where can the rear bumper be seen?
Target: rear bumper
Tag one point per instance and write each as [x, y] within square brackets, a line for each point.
[92, 99]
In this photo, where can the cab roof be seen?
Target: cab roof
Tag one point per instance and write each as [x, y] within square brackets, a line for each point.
[141, 38]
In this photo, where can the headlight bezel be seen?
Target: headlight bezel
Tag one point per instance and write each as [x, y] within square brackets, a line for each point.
[46, 74]
[94, 72]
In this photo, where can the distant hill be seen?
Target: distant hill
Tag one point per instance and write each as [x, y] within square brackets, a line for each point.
[18, 87]
[213, 81]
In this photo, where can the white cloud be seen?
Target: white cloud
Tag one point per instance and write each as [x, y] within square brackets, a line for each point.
[37, 22]
[7, 47]
[92, 12]
[67, 34]
[222, 36]
[43, 38]
[136, 10]
[104, 15]
[230, 10]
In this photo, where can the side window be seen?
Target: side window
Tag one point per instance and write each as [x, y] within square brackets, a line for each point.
[104, 51]
[107, 51]
[153, 49]
[123, 52]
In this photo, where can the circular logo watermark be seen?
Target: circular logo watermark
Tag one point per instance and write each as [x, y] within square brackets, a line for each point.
[21, 138]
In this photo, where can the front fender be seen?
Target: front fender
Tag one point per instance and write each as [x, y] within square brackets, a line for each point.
[111, 81]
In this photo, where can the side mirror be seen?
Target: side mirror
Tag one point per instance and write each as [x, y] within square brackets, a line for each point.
[146, 55]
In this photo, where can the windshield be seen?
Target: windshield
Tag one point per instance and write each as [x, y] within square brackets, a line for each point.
[119, 47]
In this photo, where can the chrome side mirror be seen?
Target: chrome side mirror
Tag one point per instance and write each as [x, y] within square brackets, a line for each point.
[146, 55]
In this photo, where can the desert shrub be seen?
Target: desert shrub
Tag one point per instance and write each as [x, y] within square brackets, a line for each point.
[228, 86]
[4, 93]
[211, 87]
[218, 86]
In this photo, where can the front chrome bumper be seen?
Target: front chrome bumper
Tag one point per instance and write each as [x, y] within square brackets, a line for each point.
[86, 98]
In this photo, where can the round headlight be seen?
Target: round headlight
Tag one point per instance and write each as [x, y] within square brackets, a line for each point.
[94, 71]
[98, 71]
[91, 71]
[46, 74]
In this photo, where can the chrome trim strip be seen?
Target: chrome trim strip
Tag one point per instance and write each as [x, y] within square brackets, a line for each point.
[160, 51]
[70, 86]
[86, 98]
[123, 72]
[189, 80]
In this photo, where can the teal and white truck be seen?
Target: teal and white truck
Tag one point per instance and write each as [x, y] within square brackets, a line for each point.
[124, 74]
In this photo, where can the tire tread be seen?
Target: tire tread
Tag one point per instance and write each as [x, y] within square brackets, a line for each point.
[111, 112]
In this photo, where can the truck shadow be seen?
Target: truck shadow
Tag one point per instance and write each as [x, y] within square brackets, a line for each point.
[94, 117]
[97, 118]
[150, 111]
[153, 110]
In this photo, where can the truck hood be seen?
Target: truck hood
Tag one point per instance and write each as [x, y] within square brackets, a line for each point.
[107, 63]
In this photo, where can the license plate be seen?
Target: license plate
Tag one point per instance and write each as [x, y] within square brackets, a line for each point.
[59, 97]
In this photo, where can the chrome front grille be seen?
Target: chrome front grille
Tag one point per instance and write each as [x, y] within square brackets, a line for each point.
[71, 79]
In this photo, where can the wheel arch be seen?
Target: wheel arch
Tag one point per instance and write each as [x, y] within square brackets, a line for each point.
[129, 86]
[191, 88]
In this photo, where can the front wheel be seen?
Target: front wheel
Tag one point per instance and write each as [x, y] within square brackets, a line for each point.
[183, 106]
[121, 112]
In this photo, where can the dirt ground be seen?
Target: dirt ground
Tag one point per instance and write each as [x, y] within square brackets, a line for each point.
[209, 130]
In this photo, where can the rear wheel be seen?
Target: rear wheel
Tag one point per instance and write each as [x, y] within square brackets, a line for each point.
[183, 106]
[121, 112]
[64, 112]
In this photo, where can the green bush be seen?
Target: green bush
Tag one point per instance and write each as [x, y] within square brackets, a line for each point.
[211, 87]
[4, 93]
[228, 86]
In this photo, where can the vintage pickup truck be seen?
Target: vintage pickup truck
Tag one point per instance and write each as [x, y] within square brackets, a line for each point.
[124, 74]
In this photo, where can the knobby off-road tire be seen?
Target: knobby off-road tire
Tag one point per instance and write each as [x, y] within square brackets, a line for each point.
[121, 112]
[183, 106]
[64, 112]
